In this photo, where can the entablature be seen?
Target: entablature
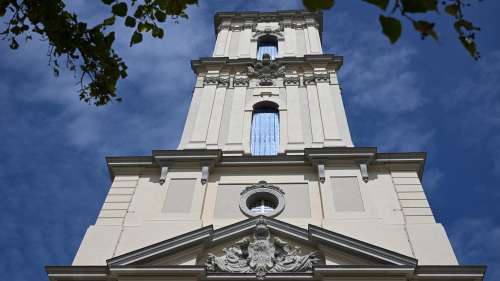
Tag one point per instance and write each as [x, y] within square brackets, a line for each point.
[391, 272]
[219, 65]
[290, 71]
[241, 20]
[365, 157]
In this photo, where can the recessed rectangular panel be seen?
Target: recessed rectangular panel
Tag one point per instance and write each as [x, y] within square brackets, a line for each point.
[301, 42]
[297, 201]
[346, 194]
[180, 194]
[227, 203]
[233, 47]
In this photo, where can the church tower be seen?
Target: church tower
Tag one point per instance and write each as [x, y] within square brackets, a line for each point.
[266, 182]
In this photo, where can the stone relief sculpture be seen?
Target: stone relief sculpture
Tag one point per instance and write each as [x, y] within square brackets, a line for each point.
[261, 185]
[266, 70]
[261, 255]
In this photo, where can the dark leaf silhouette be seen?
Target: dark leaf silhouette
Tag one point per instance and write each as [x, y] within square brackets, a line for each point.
[391, 27]
[88, 50]
[382, 4]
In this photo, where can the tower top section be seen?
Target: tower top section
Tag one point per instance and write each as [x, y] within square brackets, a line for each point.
[285, 17]
[279, 34]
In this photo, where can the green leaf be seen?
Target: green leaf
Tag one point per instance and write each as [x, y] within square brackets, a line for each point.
[425, 28]
[120, 9]
[451, 9]
[470, 46]
[3, 8]
[109, 39]
[419, 6]
[139, 12]
[136, 38]
[160, 16]
[130, 21]
[465, 24]
[391, 27]
[144, 27]
[163, 4]
[109, 21]
[108, 2]
[13, 44]
[315, 5]
[158, 32]
[382, 4]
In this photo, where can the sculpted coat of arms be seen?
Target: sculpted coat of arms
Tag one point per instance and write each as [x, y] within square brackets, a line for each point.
[261, 255]
[266, 70]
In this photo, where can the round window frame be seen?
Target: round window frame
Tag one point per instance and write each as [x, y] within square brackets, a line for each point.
[254, 192]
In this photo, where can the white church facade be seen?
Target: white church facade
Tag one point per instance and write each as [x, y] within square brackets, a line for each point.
[266, 182]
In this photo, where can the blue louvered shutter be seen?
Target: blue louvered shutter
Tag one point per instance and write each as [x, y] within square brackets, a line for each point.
[265, 135]
[269, 48]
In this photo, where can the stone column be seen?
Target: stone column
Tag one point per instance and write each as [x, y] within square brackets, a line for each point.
[295, 131]
[314, 112]
[216, 116]
[235, 130]
[220, 44]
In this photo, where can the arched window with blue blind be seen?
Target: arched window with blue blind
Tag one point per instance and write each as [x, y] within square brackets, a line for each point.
[267, 45]
[265, 135]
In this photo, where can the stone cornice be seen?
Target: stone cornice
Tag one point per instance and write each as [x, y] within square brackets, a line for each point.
[284, 17]
[364, 272]
[203, 156]
[202, 65]
[413, 161]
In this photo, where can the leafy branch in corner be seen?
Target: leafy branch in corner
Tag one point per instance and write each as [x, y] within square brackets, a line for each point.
[408, 9]
[87, 51]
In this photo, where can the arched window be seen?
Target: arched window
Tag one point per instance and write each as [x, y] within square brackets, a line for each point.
[265, 135]
[267, 44]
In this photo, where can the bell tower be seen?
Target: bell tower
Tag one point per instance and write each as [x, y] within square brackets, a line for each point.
[266, 169]
[265, 65]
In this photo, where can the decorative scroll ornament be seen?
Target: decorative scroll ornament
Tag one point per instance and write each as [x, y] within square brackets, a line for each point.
[266, 70]
[268, 31]
[217, 81]
[317, 78]
[241, 81]
[262, 185]
[291, 81]
[261, 255]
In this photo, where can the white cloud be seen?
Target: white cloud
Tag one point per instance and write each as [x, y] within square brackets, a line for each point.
[477, 241]
[432, 179]
[376, 75]
[380, 84]
[473, 108]
[398, 135]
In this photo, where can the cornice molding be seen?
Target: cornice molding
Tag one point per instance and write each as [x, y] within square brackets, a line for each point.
[328, 61]
[311, 156]
[226, 19]
[319, 272]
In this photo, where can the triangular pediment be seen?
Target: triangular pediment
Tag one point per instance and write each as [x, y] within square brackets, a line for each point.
[288, 243]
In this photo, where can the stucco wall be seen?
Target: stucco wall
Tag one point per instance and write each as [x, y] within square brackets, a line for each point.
[239, 40]
[310, 116]
[389, 210]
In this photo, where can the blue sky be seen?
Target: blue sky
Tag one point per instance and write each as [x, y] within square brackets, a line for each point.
[414, 96]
